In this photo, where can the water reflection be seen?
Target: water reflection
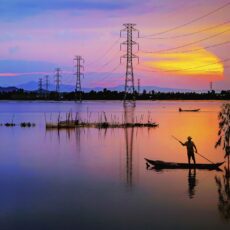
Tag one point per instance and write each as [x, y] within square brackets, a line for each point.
[223, 185]
[191, 178]
[126, 166]
[69, 134]
[192, 183]
[129, 110]
[78, 140]
[42, 180]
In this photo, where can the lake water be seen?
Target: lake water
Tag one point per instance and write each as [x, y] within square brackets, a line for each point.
[97, 179]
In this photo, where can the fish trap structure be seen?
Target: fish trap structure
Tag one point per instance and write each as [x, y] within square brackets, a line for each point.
[70, 123]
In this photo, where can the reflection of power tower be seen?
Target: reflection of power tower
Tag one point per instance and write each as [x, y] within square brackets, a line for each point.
[58, 79]
[79, 61]
[129, 133]
[129, 56]
[40, 86]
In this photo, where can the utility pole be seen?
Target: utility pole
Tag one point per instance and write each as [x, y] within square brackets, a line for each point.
[40, 86]
[58, 79]
[79, 61]
[129, 56]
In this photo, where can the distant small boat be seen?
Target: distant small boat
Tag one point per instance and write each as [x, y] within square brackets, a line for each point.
[189, 110]
[173, 165]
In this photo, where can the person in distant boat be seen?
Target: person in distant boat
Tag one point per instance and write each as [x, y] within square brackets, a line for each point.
[190, 149]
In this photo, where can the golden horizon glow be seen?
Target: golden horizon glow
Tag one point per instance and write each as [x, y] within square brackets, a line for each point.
[202, 62]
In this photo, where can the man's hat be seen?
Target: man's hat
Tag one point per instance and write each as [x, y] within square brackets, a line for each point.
[189, 138]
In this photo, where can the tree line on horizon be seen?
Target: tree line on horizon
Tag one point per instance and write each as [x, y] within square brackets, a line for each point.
[106, 94]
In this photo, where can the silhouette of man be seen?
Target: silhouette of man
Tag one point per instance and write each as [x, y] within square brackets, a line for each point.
[190, 149]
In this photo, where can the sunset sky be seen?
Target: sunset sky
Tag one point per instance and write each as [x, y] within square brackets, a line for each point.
[183, 44]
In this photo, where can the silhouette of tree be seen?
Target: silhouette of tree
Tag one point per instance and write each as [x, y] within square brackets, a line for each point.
[223, 183]
[106, 94]
[224, 130]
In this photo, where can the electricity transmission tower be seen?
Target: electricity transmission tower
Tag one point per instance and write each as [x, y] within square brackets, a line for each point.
[129, 30]
[79, 61]
[57, 79]
[138, 86]
[47, 83]
[40, 86]
[211, 88]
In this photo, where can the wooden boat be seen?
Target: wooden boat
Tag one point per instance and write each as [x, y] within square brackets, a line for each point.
[189, 110]
[173, 165]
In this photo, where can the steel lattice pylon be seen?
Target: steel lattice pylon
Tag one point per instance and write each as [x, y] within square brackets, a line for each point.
[78, 60]
[129, 56]
[47, 83]
[40, 86]
[58, 79]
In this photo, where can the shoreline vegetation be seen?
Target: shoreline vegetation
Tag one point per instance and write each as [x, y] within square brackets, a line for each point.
[112, 95]
[22, 124]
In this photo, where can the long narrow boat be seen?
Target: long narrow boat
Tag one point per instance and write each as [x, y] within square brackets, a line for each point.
[173, 165]
[189, 110]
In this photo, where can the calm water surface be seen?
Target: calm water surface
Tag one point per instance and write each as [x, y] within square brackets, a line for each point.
[97, 179]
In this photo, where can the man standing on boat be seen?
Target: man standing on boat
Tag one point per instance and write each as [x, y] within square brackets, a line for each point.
[190, 149]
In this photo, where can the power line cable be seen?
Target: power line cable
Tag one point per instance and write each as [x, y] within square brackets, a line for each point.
[204, 47]
[108, 62]
[188, 44]
[189, 22]
[188, 34]
[105, 53]
[107, 75]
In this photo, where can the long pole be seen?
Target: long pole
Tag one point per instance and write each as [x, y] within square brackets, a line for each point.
[196, 152]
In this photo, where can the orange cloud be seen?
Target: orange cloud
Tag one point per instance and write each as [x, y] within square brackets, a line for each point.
[199, 63]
